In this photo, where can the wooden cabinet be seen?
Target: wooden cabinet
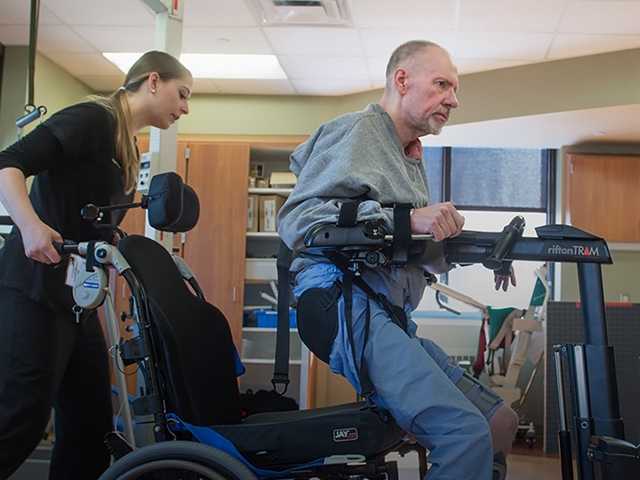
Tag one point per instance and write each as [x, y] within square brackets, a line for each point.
[215, 248]
[602, 194]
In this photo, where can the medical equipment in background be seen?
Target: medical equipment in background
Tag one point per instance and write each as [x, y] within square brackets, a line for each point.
[513, 331]
[31, 111]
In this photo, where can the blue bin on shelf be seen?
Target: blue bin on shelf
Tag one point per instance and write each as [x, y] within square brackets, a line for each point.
[269, 318]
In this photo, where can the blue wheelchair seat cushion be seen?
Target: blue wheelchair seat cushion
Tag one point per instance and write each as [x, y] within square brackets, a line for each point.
[281, 439]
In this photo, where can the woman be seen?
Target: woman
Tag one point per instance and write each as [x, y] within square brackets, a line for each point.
[83, 154]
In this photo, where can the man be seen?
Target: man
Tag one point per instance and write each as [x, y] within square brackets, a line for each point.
[376, 156]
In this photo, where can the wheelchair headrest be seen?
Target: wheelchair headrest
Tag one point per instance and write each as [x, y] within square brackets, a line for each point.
[173, 206]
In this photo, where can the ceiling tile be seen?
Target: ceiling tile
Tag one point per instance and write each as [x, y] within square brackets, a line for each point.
[81, 64]
[225, 40]
[102, 83]
[118, 39]
[255, 87]
[540, 16]
[576, 45]
[314, 41]
[14, 35]
[18, 12]
[601, 17]
[381, 43]
[60, 38]
[437, 15]
[331, 86]
[303, 66]
[225, 13]
[502, 46]
[101, 12]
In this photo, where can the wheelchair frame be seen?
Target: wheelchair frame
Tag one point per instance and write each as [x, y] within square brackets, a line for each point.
[141, 349]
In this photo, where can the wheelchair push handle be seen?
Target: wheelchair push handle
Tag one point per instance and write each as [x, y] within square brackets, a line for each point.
[509, 236]
[69, 246]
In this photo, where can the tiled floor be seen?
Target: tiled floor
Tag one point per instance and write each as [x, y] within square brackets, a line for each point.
[529, 467]
[523, 464]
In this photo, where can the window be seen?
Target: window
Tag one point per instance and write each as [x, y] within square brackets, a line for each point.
[496, 178]
[490, 186]
[491, 178]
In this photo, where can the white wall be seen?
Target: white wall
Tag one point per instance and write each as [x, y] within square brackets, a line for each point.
[477, 282]
[458, 335]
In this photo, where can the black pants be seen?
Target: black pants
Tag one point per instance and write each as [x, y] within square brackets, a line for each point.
[47, 359]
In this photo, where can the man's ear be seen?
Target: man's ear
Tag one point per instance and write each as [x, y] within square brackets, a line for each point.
[400, 80]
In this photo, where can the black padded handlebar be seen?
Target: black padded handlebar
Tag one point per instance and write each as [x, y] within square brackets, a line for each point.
[510, 234]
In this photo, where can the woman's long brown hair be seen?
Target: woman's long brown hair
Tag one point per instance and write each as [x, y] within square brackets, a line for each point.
[168, 68]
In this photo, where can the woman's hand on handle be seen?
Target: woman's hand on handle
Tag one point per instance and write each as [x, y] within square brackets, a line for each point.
[38, 239]
[36, 235]
[442, 220]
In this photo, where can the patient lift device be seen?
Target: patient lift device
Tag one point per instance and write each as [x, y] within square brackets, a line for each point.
[511, 329]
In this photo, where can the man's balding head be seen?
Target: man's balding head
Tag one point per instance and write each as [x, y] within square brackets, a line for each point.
[404, 55]
[420, 90]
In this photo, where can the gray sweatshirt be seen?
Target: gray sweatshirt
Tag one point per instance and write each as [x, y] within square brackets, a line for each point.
[354, 155]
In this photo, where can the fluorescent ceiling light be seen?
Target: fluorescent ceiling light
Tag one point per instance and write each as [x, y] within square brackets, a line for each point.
[206, 65]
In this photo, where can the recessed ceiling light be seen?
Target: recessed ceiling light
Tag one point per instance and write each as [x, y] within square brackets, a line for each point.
[206, 65]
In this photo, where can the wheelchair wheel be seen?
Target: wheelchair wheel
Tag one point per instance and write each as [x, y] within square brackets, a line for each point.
[499, 467]
[178, 460]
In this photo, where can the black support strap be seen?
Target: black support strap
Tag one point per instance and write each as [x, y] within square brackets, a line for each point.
[348, 213]
[396, 314]
[281, 368]
[401, 233]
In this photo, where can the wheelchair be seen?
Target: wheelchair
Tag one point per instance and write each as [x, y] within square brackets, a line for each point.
[185, 353]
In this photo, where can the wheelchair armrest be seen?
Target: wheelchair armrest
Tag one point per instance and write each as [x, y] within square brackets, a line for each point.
[364, 234]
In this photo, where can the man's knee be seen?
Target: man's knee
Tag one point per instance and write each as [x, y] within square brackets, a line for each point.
[504, 425]
[470, 429]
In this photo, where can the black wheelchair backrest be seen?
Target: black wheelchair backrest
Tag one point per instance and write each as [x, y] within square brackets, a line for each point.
[192, 339]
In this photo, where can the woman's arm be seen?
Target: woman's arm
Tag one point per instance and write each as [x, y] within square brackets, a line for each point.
[37, 236]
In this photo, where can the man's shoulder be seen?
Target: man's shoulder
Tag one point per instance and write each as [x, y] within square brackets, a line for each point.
[353, 121]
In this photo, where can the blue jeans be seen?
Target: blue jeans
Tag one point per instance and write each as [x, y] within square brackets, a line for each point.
[413, 379]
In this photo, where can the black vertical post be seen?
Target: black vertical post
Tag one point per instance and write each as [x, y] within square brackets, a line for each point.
[592, 298]
[599, 364]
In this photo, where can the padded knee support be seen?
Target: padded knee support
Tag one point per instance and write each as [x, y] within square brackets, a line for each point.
[317, 315]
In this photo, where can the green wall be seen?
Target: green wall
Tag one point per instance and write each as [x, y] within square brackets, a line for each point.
[257, 115]
[54, 88]
[13, 94]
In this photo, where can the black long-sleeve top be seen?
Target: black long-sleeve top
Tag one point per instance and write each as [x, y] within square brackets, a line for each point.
[72, 156]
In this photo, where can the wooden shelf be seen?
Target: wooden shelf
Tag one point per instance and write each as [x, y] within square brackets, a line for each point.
[267, 361]
[262, 235]
[271, 191]
[266, 329]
